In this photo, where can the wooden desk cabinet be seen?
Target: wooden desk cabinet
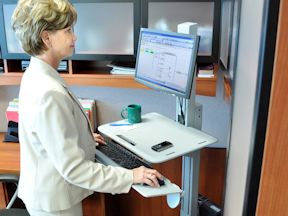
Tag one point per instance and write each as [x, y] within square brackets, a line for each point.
[88, 73]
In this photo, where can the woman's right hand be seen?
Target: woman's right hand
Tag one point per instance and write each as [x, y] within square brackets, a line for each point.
[147, 176]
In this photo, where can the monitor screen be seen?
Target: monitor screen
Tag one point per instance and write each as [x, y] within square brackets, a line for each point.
[166, 61]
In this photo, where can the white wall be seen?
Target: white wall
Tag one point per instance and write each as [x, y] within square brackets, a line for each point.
[243, 105]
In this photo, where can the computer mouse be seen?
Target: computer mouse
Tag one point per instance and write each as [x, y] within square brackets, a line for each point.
[160, 181]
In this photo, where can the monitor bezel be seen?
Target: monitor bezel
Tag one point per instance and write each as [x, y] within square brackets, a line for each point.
[213, 58]
[192, 66]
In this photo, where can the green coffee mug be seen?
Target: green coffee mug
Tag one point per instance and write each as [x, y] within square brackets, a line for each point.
[132, 112]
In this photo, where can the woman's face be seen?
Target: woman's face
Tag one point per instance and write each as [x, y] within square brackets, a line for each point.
[62, 43]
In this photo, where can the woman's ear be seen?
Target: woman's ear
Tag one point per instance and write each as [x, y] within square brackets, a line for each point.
[46, 39]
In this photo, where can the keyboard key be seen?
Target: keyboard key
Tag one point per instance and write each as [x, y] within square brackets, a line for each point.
[121, 155]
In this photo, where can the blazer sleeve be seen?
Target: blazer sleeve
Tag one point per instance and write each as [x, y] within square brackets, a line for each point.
[57, 131]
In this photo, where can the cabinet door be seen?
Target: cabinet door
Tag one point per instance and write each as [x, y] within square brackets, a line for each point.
[167, 14]
[104, 28]
[13, 45]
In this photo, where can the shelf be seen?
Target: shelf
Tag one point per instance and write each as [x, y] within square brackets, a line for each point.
[207, 86]
[95, 75]
[117, 81]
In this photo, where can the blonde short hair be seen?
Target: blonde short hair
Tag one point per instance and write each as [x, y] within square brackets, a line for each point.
[32, 17]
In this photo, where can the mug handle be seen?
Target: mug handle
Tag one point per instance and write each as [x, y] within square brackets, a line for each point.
[124, 113]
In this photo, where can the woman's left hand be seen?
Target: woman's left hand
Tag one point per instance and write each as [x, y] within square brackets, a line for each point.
[99, 139]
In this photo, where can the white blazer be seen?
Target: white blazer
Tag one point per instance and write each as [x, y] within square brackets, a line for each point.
[57, 145]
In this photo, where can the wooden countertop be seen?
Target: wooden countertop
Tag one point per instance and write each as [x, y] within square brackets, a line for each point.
[9, 157]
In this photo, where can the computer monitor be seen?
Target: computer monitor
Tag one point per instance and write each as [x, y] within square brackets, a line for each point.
[166, 61]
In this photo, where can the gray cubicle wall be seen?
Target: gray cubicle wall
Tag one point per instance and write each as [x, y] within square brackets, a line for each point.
[216, 114]
[110, 102]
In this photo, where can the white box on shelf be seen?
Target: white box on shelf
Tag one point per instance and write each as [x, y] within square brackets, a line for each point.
[187, 28]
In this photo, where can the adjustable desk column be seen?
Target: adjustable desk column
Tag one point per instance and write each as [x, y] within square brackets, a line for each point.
[191, 161]
[190, 167]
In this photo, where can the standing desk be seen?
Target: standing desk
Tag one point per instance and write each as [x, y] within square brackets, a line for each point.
[154, 129]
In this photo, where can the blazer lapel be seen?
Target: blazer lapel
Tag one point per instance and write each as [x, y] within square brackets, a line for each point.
[81, 108]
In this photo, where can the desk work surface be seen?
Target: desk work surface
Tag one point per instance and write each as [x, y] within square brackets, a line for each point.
[153, 130]
[9, 157]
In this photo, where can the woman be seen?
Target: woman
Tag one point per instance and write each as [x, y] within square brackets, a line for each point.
[57, 145]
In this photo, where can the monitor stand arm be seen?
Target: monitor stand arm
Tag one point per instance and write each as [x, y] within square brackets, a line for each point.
[190, 162]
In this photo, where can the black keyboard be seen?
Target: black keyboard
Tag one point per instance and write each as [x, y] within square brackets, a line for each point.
[120, 155]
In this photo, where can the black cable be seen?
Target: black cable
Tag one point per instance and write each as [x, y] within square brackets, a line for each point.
[182, 120]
